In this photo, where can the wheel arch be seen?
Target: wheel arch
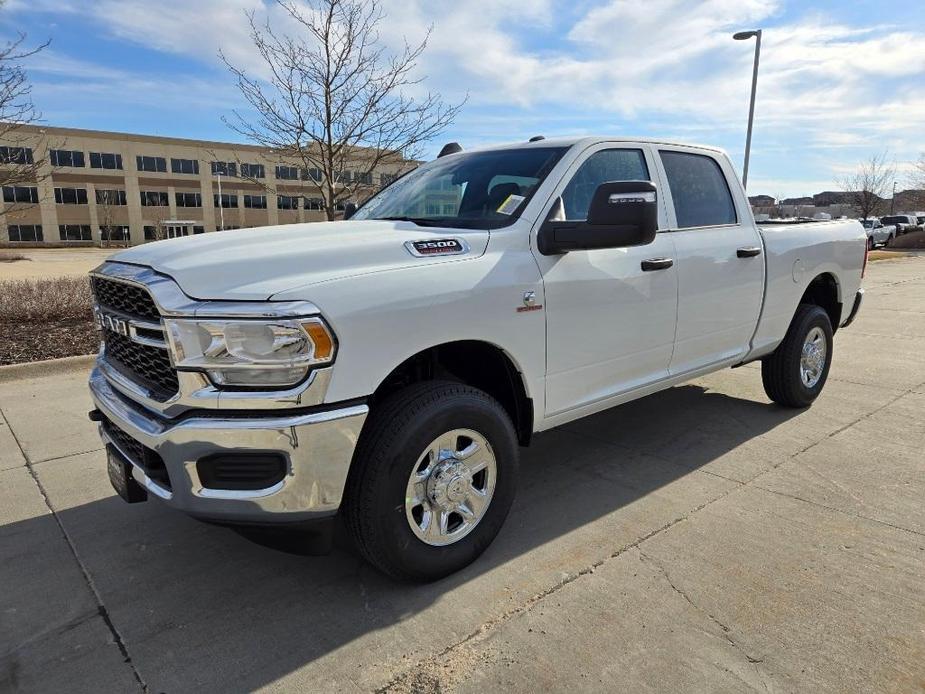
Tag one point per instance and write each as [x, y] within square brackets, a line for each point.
[825, 291]
[480, 364]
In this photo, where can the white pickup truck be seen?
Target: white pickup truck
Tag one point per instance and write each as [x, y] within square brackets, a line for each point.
[386, 369]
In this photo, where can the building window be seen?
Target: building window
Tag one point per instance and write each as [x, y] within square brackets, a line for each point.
[287, 173]
[386, 178]
[224, 168]
[25, 232]
[156, 164]
[314, 204]
[189, 199]
[71, 196]
[20, 194]
[255, 202]
[313, 175]
[287, 202]
[184, 166]
[150, 198]
[227, 200]
[110, 197]
[365, 179]
[115, 233]
[198, 229]
[104, 160]
[16, 155]
[74, 232]
[66, 157]
[343, 177]
[252, 170]
[150, 233]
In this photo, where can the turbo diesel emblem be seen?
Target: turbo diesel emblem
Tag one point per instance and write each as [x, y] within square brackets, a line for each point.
[436, 247]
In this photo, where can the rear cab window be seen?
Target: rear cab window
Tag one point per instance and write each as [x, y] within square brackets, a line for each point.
[699, 190]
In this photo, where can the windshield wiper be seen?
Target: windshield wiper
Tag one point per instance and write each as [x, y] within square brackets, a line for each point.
[420, 221]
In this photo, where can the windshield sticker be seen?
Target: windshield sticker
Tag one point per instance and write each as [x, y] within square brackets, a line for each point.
[511, 204]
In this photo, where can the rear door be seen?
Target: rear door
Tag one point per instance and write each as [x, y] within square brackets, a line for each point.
[610, 314]
[719, 256]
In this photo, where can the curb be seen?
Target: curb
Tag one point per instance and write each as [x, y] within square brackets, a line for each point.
[48, 367]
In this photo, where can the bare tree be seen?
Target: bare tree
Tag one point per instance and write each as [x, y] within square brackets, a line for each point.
[917, 180]
[18, 163]
[335, 100]
[869, 184]
[106, 205]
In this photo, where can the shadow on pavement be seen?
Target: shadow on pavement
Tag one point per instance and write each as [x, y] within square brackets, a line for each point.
[200, 606]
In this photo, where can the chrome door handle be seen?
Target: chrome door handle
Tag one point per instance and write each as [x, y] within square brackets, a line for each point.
[656, 264]
[749, 252]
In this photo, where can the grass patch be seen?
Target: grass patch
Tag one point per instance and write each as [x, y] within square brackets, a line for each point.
[10, 257]
[886, 255]
[46, 319]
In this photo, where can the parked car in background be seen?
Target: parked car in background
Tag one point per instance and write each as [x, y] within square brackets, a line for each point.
[878, 233]
[904, 223]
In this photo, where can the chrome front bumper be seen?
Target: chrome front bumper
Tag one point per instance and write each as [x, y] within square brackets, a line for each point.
[318, 446]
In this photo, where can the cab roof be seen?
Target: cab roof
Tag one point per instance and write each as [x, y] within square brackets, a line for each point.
[586, 140]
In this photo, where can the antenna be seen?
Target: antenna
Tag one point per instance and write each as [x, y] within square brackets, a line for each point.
[449, 148]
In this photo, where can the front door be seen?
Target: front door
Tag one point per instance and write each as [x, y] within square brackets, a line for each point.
[610, 324]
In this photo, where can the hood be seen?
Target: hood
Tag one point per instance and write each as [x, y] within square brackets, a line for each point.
[254, 264]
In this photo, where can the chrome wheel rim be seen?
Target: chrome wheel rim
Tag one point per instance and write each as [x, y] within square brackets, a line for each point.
[812, 358]
[450, 487]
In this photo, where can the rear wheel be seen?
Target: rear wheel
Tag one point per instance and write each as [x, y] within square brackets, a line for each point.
[795, 373]
[432, 481]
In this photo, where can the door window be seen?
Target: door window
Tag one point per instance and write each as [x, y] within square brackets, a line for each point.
[699, 190]
[601, 167]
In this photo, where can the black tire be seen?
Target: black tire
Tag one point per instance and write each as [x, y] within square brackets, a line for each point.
[870, 243]
[393, 439]
[780, 371]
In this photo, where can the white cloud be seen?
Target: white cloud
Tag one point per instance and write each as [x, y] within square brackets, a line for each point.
[826, 88]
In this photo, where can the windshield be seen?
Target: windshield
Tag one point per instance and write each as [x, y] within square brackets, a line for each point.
[868, 223]
[893, 220]
[475, 190]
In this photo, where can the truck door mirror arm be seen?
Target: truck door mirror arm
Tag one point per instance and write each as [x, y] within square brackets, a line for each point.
[622, 214]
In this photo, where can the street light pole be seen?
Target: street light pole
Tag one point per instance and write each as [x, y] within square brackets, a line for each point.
[893, 199]
[743, 36]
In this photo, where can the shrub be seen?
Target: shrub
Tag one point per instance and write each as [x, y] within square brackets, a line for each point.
[33, 301]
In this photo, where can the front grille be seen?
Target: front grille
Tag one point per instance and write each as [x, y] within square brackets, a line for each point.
[144, 364]
[125, 298]
[147, 459]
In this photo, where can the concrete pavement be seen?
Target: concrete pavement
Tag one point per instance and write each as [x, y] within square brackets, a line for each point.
[700, 539]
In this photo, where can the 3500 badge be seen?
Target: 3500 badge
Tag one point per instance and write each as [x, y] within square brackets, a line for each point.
[436, 247]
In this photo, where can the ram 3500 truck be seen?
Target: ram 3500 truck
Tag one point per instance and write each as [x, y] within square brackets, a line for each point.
[385, 369]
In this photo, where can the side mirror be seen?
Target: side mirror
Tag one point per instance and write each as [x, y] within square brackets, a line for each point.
[622, 214]
[349, 210]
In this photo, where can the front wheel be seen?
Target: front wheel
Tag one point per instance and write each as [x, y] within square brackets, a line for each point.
[433, 480]
[794, 374]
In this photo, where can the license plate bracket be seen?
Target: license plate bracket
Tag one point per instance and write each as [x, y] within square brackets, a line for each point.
[120, 476]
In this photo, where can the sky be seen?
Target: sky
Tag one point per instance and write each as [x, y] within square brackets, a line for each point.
[839, 81]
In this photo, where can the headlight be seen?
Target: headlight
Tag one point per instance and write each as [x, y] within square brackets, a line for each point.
[268, 353]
